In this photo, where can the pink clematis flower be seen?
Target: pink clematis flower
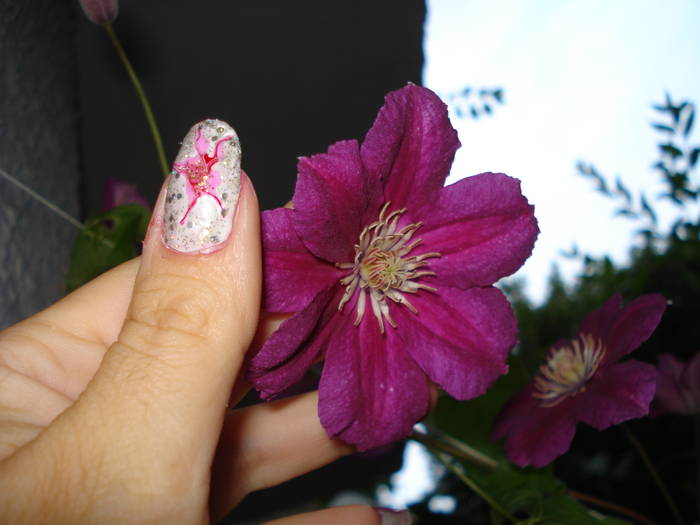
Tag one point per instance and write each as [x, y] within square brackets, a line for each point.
[678, 386]
[389, 274]
[581, 380]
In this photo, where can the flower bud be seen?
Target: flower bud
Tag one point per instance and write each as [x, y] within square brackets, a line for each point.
[118, 192]
[100, 11]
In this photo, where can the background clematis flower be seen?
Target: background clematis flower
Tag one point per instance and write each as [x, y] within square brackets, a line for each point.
[678, 386]
[389, 274]
[118, 192]
[581, 380]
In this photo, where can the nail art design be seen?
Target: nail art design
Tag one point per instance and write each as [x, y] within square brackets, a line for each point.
[203, 189]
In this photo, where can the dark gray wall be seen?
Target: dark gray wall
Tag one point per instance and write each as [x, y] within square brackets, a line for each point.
[38, 146]
[291, 77]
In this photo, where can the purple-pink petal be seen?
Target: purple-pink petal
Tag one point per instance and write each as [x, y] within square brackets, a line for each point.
[460, 338]
[678, 386]
[293, 276]
[483, 228]
[118, 192]
[619, 392]
[535, 435]
[410, 146]
[100, 11]
[691, 381]
[286, 356]
[371, 392]
[333, 200]
[622, 330]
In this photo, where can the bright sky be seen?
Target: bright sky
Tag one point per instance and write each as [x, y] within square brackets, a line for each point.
[579, 77]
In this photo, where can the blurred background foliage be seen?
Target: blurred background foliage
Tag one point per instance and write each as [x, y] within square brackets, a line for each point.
[600, 465]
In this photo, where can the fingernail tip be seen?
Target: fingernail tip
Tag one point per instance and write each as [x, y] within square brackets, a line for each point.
[393, 517]
[203, 189]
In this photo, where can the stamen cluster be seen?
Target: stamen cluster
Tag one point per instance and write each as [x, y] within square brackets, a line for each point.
[382, 268]
[568, 369]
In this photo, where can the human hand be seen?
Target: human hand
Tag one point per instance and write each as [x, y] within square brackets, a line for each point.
[114, 401]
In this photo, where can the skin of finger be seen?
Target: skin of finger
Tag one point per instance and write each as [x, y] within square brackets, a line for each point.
[145, 430]
[62, 346]
[345, 515]
[267, 444]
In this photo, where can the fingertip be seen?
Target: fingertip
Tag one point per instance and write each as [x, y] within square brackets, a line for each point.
[343, 515]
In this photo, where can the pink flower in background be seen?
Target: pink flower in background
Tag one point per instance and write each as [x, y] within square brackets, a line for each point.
[678, 386]
[389, 274]
[582, 380]
[100, 11]
[118, 192]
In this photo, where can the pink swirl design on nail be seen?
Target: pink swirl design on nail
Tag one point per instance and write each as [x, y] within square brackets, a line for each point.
[198, 171]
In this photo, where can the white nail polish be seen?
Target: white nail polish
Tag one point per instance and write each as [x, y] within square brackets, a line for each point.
[203, 189]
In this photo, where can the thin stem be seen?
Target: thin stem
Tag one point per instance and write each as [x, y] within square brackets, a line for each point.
[613, 507]
[50, 205]
[458, 470]
[142, 96]
[435, 439]
[654, 474]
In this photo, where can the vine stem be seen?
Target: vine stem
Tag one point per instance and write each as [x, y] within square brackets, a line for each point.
[459, 471]
[142, 97]
[614, 507]
[435, 439]
[654, 474]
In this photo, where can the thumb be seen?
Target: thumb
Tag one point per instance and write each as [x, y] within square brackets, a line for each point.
[196, 298]
[157, 403]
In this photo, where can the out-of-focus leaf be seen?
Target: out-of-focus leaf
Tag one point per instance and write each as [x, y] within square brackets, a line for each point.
[663, 127]
[106, 241]
[671, 150]
[622, 190]
[487, 109]
[571, 253]
[498, 95]
[471, 421]
[625, 212]
[693, 157]
[648, 210]
[689, 121]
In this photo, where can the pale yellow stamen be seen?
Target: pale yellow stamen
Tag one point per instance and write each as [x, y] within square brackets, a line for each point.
[568, 370]
[382, 268]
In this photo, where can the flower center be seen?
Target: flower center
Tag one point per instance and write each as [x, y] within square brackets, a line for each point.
[383, 269]
[568, 370]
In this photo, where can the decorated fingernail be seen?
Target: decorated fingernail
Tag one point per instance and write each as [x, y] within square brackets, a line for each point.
[203, 189]
[393, 517]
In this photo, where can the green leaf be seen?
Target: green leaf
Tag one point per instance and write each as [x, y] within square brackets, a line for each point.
[689, 121]
[663, 127]
[106, 241]
[693, 158]
[648, 210]
[671, 150]
[471, 421]
[622, 190]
